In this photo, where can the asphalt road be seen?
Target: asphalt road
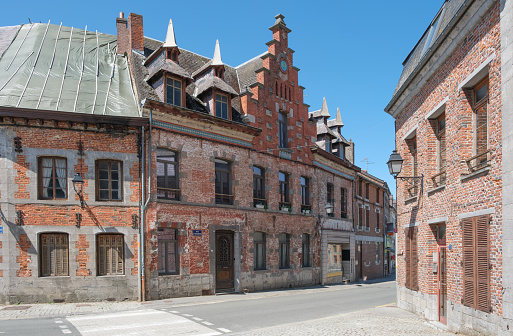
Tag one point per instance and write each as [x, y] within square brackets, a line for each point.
[215, 315]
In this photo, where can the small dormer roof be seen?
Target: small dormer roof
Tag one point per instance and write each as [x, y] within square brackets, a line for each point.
[217, 55]
[170, 37]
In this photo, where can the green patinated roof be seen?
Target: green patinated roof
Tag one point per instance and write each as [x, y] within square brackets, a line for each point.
[49, 67]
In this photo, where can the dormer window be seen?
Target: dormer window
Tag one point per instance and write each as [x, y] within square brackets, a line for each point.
[328, 144]
[173, 91]
[172, 54]
[221, 106]
[219, 72]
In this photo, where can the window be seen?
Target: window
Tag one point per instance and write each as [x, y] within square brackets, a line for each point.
[173, 91]
[305, 194]
[412, 190]
[284, 190]
[330, 197]
[110, 254]
[223, 182]
[168, 251]
[259, 187]
[476, 263]
[480, 107]
[53, 178]
[306, 250]
[335, 259]
[327, 142]
[367, 190]
[431, 34]
[377, 195]
[411, 258]
[367, 219]
[360, 186]
[377, 253]
[221, 106]
[282, 130]
[259, 250]
[378, 227]
[167, 175]
[439, 178]
[343, 203]
[54, 254]
[284, 256]
[360, 217]
[108, 180]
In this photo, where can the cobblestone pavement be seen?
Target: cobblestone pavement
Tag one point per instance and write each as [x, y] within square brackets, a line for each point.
[382, 321]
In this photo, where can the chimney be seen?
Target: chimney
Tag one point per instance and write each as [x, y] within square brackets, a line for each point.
[123, 42]
[135, 25]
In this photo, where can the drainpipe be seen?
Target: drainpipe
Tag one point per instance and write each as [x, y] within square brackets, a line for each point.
[144, 206]
[139, 245]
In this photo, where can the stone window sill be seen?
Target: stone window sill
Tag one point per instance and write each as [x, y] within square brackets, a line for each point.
[474, 174]
[434, 190]
[411, 199]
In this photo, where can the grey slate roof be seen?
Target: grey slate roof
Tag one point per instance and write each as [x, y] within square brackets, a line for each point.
[7, 35]
[48, 67]
[449, 10]
[247, 71]
[210, 81]
[169, 66]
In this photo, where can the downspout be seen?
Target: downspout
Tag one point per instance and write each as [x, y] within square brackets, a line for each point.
[142, 256]
[139, 245]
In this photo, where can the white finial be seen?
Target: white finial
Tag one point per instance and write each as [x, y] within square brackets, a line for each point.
[338, 118]
[217, 55]
[324, 109]
[170, 37]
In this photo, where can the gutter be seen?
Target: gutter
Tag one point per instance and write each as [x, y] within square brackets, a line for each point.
[455, 19]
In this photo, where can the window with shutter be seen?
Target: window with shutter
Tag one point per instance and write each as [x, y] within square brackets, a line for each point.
[476, 263]
[411, 259]
[110, 254]
[168, 262]
[53, 256]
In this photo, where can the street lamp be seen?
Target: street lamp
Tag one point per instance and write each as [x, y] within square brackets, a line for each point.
[329, 209]
[78, 186]
[395, 165]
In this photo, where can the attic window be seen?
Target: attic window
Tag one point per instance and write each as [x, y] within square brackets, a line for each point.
[173, 91]
[172, 54]
[219, 72]
[431, 32]
[221, 106]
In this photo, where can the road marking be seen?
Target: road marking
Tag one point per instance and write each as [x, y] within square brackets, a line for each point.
[63, 326]
[224, 330]
[187, 315]
[207, 323]
[174, 312]
[388, 304]
[59, 322]
[66, 331]
[197, 319]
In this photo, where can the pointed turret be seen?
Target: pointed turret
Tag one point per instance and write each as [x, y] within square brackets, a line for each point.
[217, 55]
[324, 109]
[338, 119]
[170, 37]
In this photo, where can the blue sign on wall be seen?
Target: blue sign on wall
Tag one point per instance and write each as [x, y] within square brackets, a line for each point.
[196, 232]
[1, 229]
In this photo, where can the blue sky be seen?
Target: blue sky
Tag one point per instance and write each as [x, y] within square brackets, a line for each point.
[348, 51]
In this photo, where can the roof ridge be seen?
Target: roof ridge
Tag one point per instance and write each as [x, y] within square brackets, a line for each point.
[254, 58]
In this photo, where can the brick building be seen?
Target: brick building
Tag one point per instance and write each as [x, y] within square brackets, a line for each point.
[237, 194]
[453, 232]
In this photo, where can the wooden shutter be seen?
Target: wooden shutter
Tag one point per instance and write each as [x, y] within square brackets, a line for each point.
[482, 279]
[54, 255]
[468, 262]
[110, 254]
[407, 261]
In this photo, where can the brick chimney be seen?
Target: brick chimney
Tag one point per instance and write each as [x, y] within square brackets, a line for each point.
[135, 26]
[123, 39]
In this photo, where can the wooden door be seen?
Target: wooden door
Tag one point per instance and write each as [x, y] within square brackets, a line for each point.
[224, 261]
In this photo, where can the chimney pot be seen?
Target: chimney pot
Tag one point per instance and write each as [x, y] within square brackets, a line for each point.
[121, 15]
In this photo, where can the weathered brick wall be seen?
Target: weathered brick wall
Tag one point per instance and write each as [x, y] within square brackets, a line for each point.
[48, 138]
[461, 194]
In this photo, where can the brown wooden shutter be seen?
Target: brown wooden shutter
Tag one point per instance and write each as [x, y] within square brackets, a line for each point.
[482, 279]
[468, 262]
[407, 261]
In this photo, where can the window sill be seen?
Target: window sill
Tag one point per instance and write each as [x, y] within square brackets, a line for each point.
[111, 275]
[474, 174]
[261, 270]
[169, 274]
[434, 190]
[285, 149]
[411, 199]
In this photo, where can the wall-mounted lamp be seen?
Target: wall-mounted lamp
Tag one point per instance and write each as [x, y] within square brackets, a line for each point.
[78, 185]
[395, 165]
[78, 219]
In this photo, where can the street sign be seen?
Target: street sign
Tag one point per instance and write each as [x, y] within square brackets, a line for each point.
[196, 232]
[1, 229]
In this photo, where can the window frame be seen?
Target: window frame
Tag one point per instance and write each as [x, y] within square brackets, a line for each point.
[305, 251]
[221, 198]
[343, 203]
[53, 272]
[259, 245]
[330, 197]
[173, 86]
[284, 187]
[476, 106]
[176, 164]
[283, 130]
[40, 187]
[218, 98]
[259, 192]
[284, 250]
[166, 243]
[97, 181]
[107, 271]
[305, 193]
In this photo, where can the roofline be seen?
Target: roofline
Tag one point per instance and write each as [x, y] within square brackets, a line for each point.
[335, 159]
[430, 52]
[18, 112]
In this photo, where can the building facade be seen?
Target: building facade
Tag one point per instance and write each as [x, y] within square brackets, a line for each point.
[453, 239]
